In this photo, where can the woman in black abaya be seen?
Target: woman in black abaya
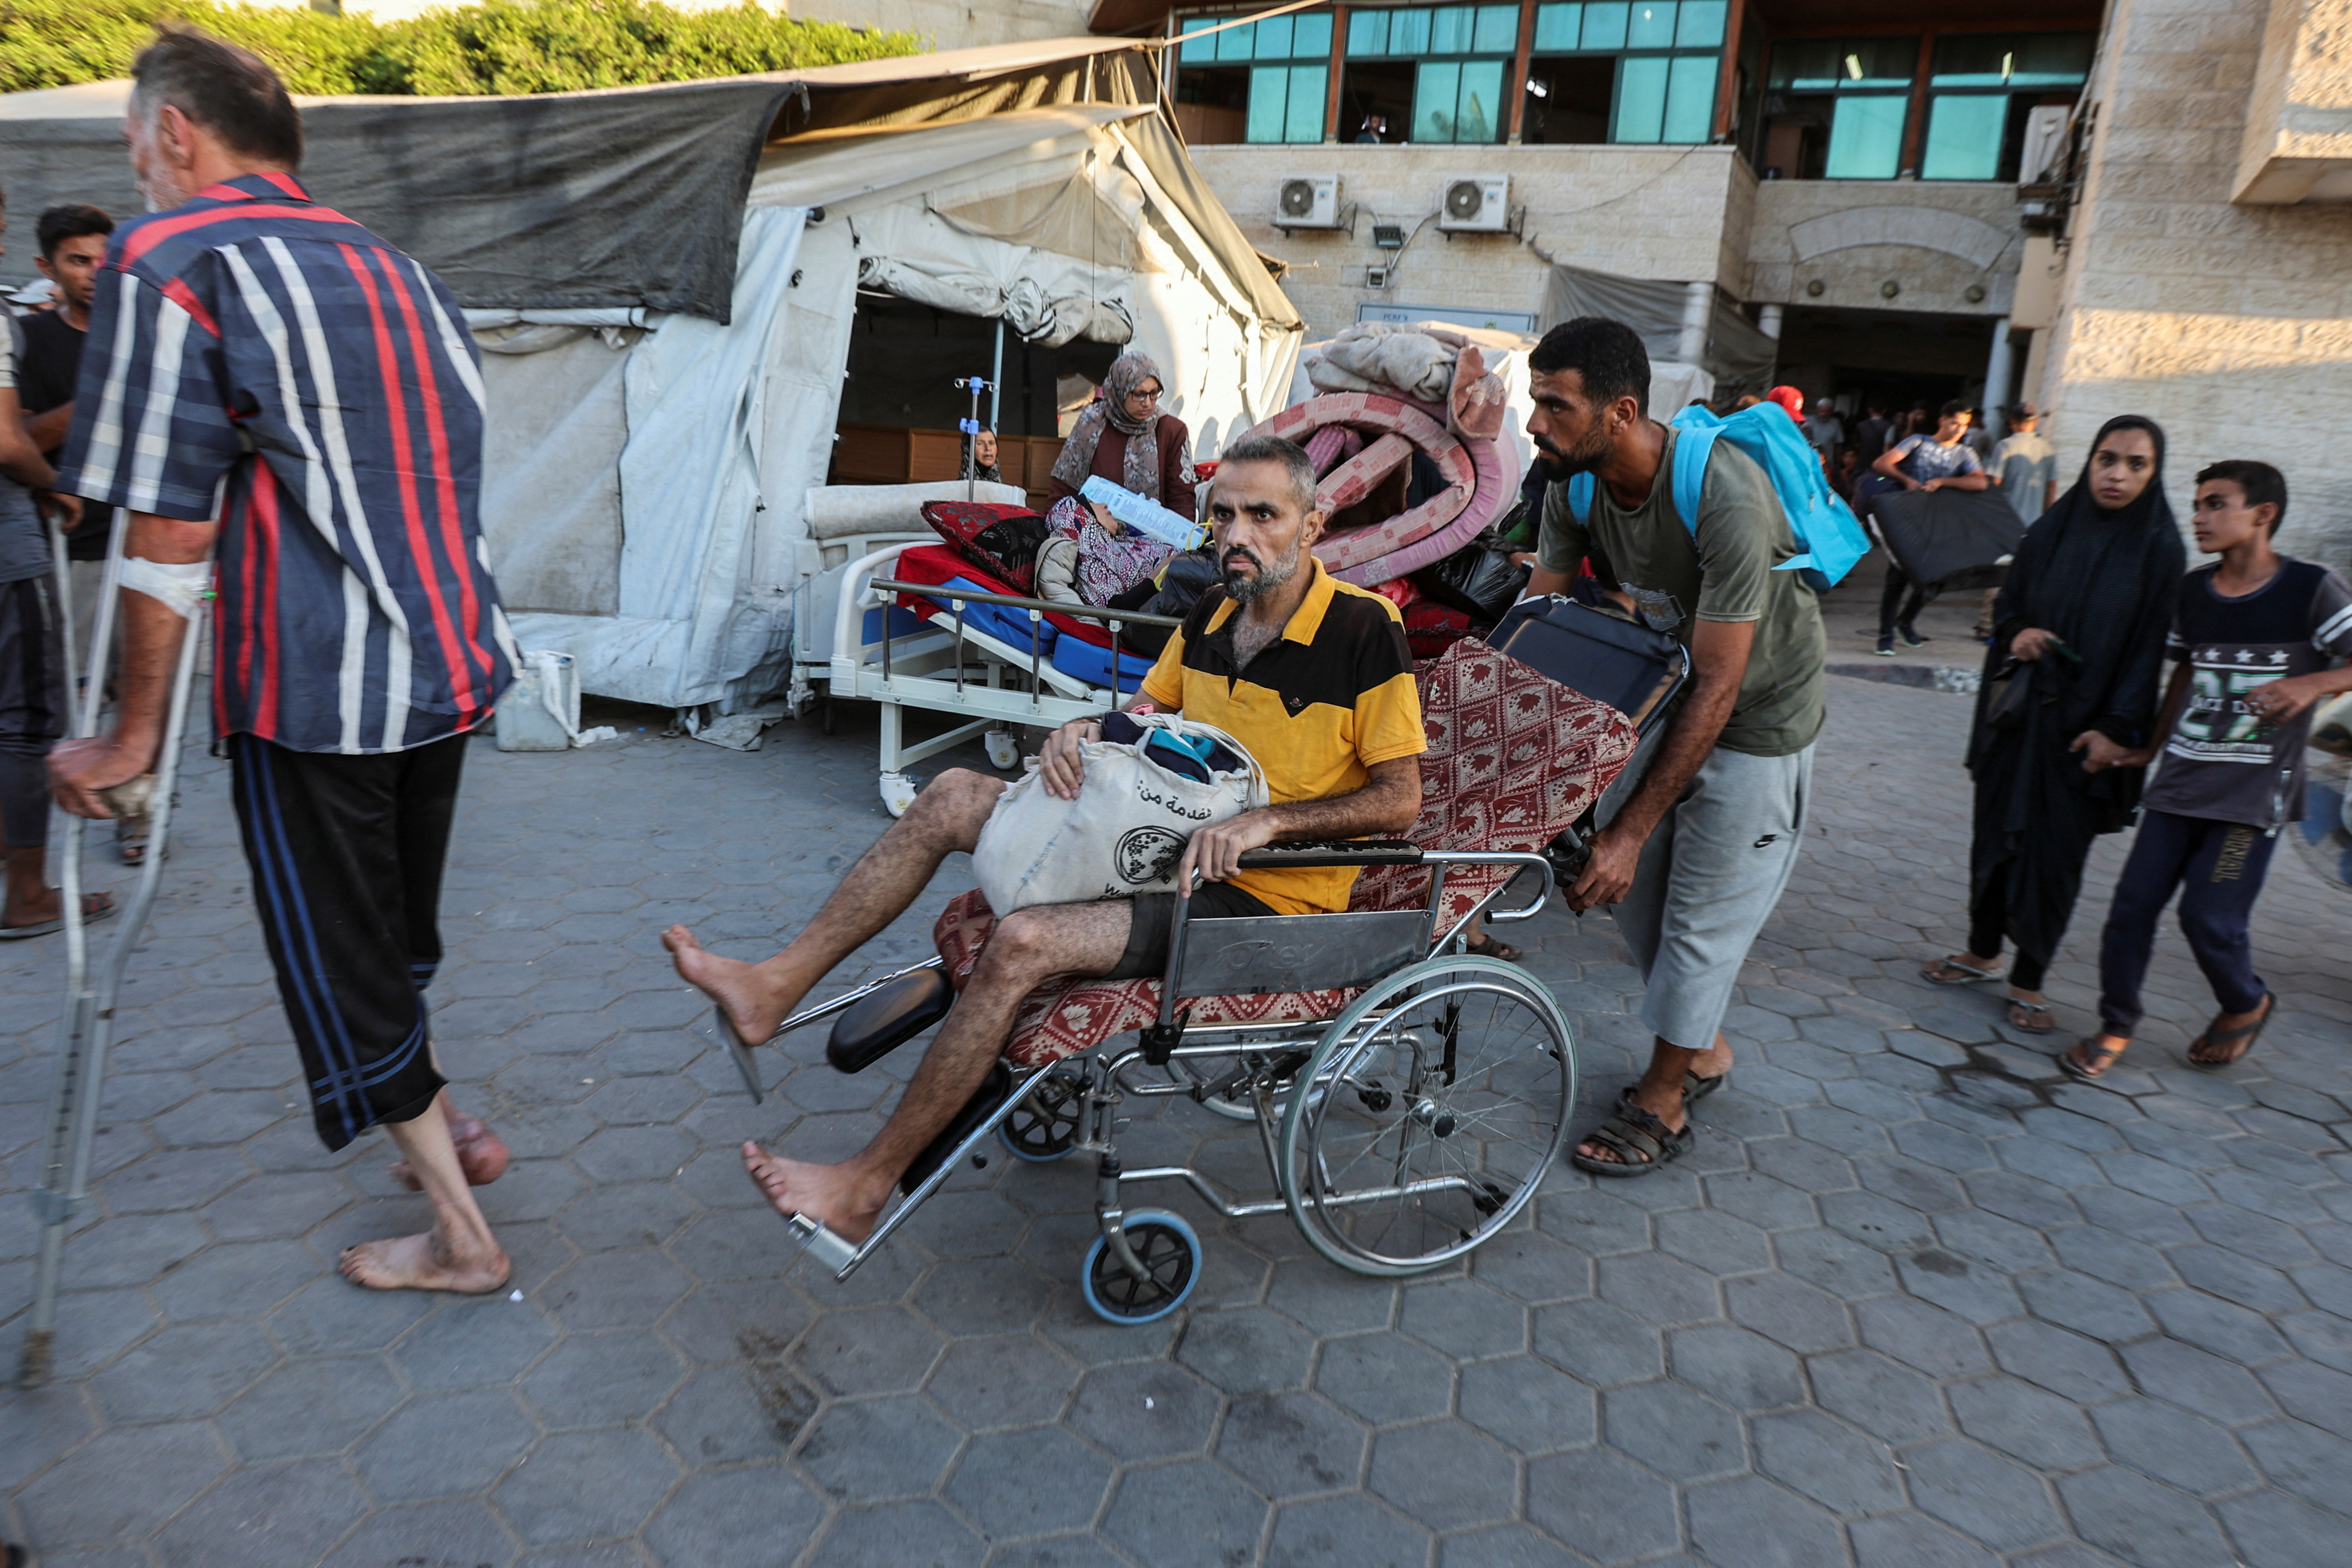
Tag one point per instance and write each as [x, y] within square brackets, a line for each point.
[2083, 614]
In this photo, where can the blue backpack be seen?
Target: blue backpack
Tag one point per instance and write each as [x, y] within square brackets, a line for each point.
[1829, 540]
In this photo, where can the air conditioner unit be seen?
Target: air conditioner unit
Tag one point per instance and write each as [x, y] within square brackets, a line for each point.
[1307, 202]
[1475, 203]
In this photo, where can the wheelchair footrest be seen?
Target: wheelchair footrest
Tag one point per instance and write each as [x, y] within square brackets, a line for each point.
[875, 1026]
[983, 1104]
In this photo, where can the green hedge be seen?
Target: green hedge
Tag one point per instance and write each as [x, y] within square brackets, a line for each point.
[499, 46]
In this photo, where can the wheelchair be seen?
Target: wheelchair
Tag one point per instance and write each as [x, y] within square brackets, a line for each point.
[1410, 1097]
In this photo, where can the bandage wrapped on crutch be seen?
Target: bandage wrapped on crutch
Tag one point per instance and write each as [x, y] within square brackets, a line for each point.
[85, 1029]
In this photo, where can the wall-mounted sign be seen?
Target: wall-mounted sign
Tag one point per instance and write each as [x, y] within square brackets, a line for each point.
[1494, 320]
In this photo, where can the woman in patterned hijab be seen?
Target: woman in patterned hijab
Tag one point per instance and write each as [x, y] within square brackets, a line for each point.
[1123, 436]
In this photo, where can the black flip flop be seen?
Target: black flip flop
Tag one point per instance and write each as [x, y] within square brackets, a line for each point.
[1642, 1142]
[2249, 1033]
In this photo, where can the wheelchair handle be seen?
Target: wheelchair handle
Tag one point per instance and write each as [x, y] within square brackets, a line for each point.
[1333, 852]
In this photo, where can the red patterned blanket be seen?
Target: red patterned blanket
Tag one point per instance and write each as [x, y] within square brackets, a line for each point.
[1513, 759]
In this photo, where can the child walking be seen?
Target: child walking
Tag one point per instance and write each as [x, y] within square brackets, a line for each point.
[2258, 636]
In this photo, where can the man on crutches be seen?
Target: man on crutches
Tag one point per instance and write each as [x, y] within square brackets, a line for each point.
[265, 376]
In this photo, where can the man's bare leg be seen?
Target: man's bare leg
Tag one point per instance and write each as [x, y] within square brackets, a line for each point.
[482, 1155]
[946, 817]
[1027, 948]
[459, 1253]
[1660, 1091]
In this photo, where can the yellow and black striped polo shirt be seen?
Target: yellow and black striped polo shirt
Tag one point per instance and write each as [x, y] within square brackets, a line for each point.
[1319, 708]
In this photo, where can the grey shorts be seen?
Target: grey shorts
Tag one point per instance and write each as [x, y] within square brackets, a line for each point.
[1708, 879]
[1145, 958]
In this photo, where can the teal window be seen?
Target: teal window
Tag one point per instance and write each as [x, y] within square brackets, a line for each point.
[1660, 86]
[1964, 132]
[1867, 137]
[1435, 73]
[1838, 109]
[1459, 101]
[1978, 134]
[1259, 81]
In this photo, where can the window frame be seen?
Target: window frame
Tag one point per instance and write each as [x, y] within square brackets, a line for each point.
[1626, 54]
[1301, 60]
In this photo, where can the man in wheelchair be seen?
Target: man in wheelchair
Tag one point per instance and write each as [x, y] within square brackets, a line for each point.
[1311, 674]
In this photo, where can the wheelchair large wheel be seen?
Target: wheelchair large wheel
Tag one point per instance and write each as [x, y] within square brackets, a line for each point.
[1450, 1087]
[1044, 1125]
[1171, 1255]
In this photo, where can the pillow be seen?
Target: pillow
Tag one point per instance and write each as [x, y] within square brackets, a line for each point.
[963, 523]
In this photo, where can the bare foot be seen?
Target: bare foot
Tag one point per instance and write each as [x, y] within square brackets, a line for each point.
[754, 1005]
[482, 1155]
[426, 1263]
[833, 1194]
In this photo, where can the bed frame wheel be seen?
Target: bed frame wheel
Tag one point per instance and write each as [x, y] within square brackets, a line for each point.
[1044, 1125]
[1003, 749]
[898, 791]
[1171, 1255]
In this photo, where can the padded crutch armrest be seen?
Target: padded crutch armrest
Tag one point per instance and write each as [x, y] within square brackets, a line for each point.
[1331, 852]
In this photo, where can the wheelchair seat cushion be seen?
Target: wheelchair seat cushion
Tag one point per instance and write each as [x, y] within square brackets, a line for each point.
[1513, 759]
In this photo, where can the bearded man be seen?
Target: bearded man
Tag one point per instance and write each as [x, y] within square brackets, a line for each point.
[1311, 674]
[1697, 857]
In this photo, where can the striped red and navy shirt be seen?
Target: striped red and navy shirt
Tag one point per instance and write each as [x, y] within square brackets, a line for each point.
[260, 359]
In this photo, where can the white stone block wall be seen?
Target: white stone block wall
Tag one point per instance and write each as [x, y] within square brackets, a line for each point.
[1666, 213]
[2230, 326]
[1934, 239]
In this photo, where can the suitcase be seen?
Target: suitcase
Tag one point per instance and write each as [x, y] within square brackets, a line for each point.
[1599, 655]
[1612, 659]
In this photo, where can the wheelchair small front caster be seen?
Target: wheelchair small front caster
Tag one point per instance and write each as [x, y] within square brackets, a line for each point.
[1003, 749]
[1171, 1255]
[1044, 1125]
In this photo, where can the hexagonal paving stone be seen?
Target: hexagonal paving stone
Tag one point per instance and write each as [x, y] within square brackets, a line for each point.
[1604, 1505]
[2139, 1521]
[1530, 1405]
[1462, 1319]
[444, 1444]
[1385, 1378]
[1144, 1410]
[1292, 1445]
[1352, 1530]
[1012, 1380]
[1033, 1482]
[1984, 1496]
[1744, 1370]
[1446, 1474]
[1837, 1466]
[1672, 1429]
[2014, 1417]
[1248, 1350]
[1192, 1514]
[865, 1450]
[911, 1532]
[733, 1519]
[1750, 1520]
[1887, 1401]
[544, 1503]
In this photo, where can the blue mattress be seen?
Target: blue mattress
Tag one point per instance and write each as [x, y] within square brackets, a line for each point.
[903, 623]
[1090, 663]
[1001, 622]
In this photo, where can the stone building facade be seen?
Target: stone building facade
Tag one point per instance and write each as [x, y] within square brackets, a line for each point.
[2206, 275]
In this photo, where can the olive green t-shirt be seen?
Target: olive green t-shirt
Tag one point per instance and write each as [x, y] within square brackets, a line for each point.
[1722, 572]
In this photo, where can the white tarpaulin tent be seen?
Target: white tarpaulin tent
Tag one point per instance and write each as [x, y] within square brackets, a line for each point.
[643, 489]
[652, 434]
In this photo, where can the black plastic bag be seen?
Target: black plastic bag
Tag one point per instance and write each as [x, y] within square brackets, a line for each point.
[1478, 579]
[1013, 543]
[1188, 575]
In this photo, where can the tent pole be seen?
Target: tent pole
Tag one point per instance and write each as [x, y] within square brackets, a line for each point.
[996, 388]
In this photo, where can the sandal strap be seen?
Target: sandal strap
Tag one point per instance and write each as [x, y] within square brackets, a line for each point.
[2225, 1036]
[1626, 1139]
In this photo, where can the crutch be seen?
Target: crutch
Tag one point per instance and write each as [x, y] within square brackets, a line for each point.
[84, 1030]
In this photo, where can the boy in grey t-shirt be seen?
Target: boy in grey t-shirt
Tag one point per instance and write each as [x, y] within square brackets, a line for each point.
[2260, 639]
